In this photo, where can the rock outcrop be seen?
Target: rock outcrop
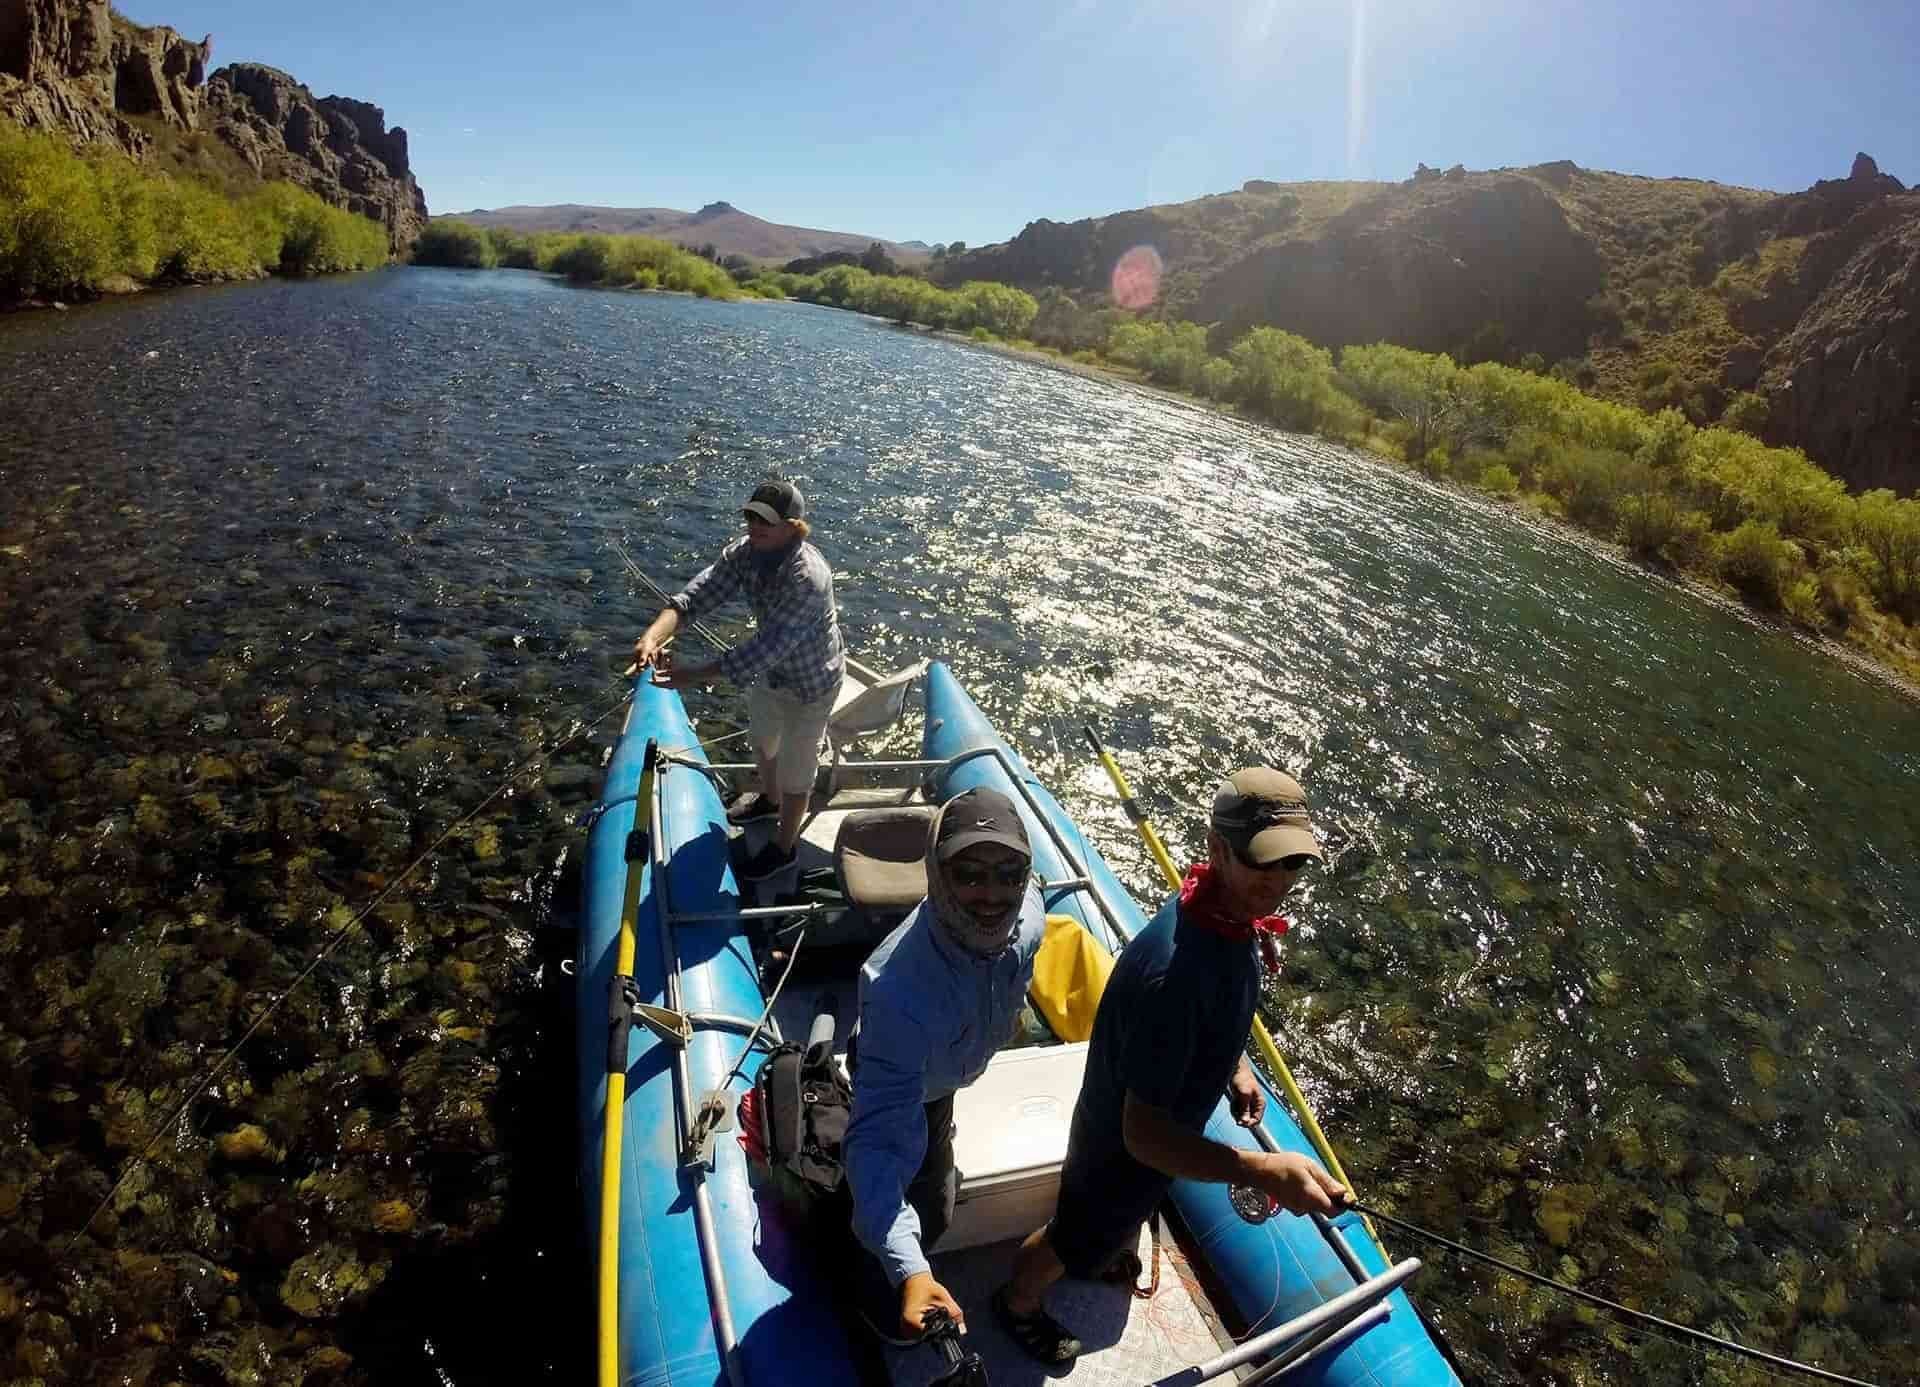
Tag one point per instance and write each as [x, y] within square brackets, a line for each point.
[1845, 383]
[76, 67]
[336, 146]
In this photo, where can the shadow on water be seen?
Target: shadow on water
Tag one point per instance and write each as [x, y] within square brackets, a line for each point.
[515, 1304]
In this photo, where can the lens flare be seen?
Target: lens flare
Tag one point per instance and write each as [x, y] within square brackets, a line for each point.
[1136, 277]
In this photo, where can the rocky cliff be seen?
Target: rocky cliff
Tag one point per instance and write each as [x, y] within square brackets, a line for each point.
[77, 67]
[1844, 382]
[1654, 291]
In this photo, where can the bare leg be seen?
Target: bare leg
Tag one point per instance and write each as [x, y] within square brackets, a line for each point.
[1035, 1267]
[767, 761]
[793, 812]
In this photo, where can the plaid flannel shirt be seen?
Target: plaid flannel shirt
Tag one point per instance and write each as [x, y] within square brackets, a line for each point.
[797, 646]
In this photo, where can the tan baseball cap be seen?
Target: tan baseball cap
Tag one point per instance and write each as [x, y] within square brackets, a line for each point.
[1262, 813]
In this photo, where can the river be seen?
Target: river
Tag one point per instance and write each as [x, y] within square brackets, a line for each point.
[1611, 972]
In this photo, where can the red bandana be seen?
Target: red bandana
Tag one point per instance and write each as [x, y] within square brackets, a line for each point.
[1200, 905]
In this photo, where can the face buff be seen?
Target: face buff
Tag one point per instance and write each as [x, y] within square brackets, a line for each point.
[980, 938]
[1201, 905]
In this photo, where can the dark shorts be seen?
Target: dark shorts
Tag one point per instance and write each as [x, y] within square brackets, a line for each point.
[1105, 1195]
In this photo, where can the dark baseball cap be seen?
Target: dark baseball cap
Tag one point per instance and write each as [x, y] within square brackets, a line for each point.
[1262, 813]
[979, 816]
[775, 502]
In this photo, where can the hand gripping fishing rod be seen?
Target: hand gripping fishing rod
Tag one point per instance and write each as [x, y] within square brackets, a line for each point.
[1262, 1040]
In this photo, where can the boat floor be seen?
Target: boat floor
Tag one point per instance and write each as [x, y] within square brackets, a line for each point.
[1128, 1341]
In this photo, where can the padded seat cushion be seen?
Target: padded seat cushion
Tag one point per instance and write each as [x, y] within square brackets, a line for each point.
[880, 856]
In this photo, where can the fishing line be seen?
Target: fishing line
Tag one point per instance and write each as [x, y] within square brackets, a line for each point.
[338, 937]
[1639, 1318]
[699, 628]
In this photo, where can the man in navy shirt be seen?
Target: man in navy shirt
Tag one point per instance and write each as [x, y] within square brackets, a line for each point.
[1168, 1039]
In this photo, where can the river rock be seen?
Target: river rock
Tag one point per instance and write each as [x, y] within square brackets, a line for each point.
[323, 1283]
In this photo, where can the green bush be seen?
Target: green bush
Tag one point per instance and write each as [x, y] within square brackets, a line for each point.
[1747, 411]
[1761, 565]
[1499, 479]
[72, 223]
[1281, 377]
[1887, 530]
[586, 261]
[457, 245]
[1586, 482]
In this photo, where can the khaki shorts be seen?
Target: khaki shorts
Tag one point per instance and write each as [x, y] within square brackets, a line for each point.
[787, 732]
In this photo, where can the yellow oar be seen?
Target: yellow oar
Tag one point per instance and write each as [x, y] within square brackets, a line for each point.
[621, 997]
[1261, 1039]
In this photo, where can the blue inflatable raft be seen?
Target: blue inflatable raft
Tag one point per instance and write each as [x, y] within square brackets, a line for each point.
[713, 1285]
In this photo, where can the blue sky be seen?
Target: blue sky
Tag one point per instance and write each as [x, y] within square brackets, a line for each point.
[968, 118]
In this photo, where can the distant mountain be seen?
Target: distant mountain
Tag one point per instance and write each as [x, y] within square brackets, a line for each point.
[1654, 291]
[720, 224]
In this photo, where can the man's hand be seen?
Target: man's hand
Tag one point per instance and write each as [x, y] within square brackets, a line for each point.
[920, 1293]
[647, 649]
[1296, 1183]
[669, 675]
[1245, 1096]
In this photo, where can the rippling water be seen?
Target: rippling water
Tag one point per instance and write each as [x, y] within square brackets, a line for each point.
[1612, 972]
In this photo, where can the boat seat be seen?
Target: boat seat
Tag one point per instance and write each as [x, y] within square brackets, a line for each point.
[880, 858]
[867, 703]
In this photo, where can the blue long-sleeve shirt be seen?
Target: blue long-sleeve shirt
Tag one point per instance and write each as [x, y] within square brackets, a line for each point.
[931, 1016]
[796, 645]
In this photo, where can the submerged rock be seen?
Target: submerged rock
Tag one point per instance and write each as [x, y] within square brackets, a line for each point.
[323, 1283]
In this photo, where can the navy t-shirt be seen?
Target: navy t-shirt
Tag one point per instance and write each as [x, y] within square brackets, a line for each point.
[1171, 1028]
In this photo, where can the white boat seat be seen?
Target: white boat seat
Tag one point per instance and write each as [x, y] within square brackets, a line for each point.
[880, 858]
[872, 707]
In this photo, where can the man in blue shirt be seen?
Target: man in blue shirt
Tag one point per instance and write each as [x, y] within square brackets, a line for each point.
[1168, 1039]
[790, 667]
[939, 996]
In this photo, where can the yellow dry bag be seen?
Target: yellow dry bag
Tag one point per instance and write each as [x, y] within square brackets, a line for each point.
[1069, 974]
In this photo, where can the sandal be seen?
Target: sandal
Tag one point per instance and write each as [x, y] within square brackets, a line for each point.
[1039, 1335]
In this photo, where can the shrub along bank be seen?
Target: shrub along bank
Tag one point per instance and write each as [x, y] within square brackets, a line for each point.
[608, 262]
[74, 223]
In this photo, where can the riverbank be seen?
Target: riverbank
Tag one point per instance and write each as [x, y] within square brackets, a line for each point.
[1881, 648]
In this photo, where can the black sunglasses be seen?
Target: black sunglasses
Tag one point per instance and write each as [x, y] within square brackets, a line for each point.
[966, 874]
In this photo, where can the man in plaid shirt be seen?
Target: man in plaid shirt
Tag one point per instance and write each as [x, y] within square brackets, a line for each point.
[790, 667]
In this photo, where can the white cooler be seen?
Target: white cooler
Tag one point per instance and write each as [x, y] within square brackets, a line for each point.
[1011, 1137]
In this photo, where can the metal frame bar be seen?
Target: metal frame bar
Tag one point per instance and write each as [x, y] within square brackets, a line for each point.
[1342, 1308]
[1327, 1339]
[719, 1306]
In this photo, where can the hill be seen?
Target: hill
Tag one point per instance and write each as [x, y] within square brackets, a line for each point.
[719, 224]
[1795, 315]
